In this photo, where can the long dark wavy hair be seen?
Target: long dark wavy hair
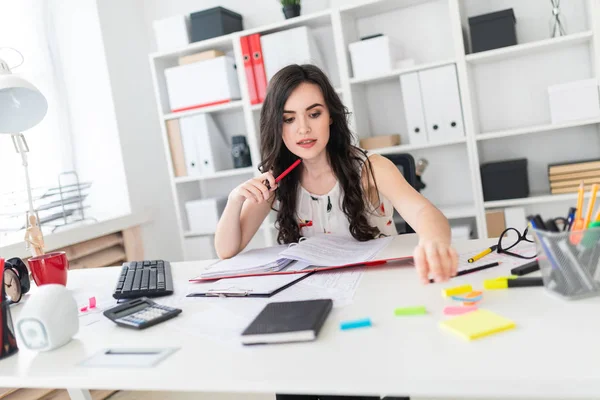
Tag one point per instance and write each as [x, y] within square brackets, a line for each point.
[346, 159]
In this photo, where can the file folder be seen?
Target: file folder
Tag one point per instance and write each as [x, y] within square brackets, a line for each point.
[248, 67]
[258, 65]
[413, 108]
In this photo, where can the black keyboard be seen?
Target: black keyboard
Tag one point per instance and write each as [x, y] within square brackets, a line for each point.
[144, 279]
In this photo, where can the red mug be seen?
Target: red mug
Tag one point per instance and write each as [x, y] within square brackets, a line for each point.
[49, 268]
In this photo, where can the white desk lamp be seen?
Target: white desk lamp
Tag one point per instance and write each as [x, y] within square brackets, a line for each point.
[22, 106]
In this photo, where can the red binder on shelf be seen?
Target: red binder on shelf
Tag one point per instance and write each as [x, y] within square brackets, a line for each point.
[248, 67]
[258, 65]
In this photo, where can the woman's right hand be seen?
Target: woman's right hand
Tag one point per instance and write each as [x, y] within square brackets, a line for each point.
[254, 190]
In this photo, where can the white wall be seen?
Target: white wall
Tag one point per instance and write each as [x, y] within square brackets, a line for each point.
[82, 73]
[127, 46]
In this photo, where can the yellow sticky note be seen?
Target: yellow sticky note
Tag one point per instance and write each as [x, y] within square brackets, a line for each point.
[477, 324]
[453, 291]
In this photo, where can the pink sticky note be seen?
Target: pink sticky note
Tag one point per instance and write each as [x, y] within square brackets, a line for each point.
[92, 302]
[83, 309]
[458, 310]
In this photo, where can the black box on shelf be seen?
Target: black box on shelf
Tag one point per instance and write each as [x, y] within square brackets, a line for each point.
[217, 21]
[492, 31]
[505, 180]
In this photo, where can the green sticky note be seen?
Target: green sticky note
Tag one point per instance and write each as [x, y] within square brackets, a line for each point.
[403, 311]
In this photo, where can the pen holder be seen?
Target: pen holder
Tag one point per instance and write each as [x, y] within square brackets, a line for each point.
[570, 262]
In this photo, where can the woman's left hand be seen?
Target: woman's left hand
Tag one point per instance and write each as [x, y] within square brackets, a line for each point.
[436, 258]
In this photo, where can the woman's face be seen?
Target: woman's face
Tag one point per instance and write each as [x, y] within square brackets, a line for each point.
[306, 122]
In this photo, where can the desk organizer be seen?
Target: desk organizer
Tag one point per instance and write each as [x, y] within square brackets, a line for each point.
[570, 262]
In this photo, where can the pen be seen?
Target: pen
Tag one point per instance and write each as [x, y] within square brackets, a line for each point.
[283, 174]
[588, 216]
[482, 254]
[471, 270]
[570, 218]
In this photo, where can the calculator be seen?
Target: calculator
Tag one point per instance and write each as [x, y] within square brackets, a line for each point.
[140, 313]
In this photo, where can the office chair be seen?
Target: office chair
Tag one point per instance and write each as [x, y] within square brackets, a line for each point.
[406, 164]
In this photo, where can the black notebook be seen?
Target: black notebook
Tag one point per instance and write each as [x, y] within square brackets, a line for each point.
[290, 321]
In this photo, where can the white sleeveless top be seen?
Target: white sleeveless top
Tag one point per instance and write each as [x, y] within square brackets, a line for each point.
[318, 214]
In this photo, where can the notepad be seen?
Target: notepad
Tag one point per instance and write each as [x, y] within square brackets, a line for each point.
[477, 324]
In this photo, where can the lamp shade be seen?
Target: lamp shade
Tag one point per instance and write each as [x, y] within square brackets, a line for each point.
[22, 105]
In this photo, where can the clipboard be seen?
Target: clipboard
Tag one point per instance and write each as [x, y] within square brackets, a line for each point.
[250, 286]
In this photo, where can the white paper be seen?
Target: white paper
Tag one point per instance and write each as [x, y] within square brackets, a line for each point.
[256, 260]
[249, 285]
[128, 358]
[332, 250]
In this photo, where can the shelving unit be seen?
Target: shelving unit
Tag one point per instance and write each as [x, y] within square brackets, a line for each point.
[503, 95]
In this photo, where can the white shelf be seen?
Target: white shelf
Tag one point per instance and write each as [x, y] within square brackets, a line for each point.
[459, 211]
[537, 129]
[528, 49]
[203, 110]
[397, 72]
[375, 7]
[216, 175]
[314, 20]
[403, 148]
[220, 42]
[535, 199]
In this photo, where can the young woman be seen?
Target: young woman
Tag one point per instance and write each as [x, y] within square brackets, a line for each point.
[337, 188]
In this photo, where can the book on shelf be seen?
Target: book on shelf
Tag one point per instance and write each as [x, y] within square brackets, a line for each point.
[575, 176]
[176, 148]
[573, 167]
[569, 189]
[574, 182]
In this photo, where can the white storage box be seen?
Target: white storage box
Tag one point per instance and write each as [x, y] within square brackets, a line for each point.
[373, 57]
[202, 84]
[203, 215]
[172, 33]
[205, 149]
[292, 46]
[574, 100]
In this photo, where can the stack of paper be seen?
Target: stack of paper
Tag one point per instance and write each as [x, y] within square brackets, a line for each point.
[317, 251]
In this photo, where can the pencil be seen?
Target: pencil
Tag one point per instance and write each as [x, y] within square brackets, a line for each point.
[482, 254]
[471, 270]
[283, 174]
[578, 222]
[588, 216]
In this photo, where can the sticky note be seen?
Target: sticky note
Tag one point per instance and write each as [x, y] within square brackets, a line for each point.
[456, 290]
[359, 323]
[477, 324]
[405, 311]
[83, 309]
[462, 298]
[473, 294]
[458, 310]
[92, 302]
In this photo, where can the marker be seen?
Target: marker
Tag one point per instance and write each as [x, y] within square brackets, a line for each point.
[492, 284]
[283, 174]
[359, 323]
[482, 254]
[525, 268]
[578, 222]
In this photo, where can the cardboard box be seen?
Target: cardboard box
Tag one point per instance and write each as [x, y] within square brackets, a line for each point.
[495, 223]
[377, 142]
[373, 57]
[205, 55]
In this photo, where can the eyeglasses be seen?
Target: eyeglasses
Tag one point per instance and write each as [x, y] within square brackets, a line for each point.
[510, 238]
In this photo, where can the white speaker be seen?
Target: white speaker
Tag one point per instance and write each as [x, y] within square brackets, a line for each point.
[49, 318]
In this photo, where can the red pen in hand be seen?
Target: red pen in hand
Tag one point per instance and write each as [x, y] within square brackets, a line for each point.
[283, 174]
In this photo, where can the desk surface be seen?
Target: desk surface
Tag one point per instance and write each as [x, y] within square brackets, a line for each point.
[553, 352]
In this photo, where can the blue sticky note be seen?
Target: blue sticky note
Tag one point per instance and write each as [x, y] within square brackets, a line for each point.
[359, 323]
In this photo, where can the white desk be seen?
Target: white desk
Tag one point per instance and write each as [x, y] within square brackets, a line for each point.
[553, 353]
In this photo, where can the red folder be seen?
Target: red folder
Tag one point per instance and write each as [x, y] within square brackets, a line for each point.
[373, 263]
[258, 65]
[247, 54]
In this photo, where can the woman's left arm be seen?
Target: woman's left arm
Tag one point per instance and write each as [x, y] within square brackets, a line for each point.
[434, 253]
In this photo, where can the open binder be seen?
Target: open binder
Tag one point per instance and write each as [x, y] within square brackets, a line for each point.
[320, 253]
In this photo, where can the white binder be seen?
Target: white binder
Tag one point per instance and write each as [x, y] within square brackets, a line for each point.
[413, 108]
[212, 151]
[188, 140]
[441, 101]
